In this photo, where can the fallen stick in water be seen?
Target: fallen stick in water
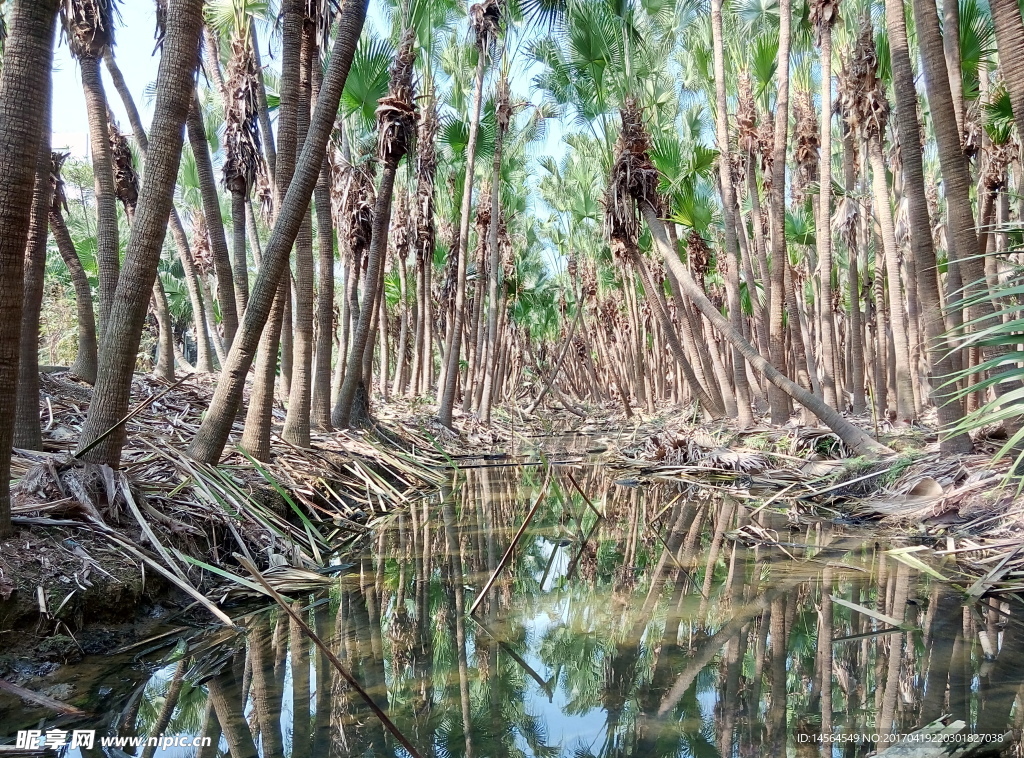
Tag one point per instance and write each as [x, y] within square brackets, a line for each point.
[248, 566]
[515, 541]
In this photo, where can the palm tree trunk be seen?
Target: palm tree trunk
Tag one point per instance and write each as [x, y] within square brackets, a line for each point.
[731, 259]
[204, 344]
[27, 433]
[854, 337]
[955, 175]
[119, 346]
[851, 435]
[296, 425]
[320, 412]
[164, 368]
[453, 342]
[258, 418]
[213, 434]
[949, 408]
[777, 399]
[240, 275]
[107, 245]
[897, 316]
[829, 358]
[84, 366]
[24, 84]
[204, 347]
[399, 379]
[226, 295]
[951, 52]
[354, 375]
[266, 133]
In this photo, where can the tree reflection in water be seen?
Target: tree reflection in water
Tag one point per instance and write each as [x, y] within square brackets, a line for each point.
[653, 632]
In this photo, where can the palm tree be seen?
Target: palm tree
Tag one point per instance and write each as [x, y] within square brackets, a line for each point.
[27, 431]
[731, 260]
[89, 27]
[780, 404]
[119, 345]
[485, 18]
[226, 297]
[213, 434]
[396, 129]
[926, 264]
[24, 84]
[84, 367]
[824, 14]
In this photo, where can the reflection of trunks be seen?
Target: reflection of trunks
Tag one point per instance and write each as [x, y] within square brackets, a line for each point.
[629, 612]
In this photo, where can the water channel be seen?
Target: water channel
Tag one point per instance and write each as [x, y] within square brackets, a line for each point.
[678, 623]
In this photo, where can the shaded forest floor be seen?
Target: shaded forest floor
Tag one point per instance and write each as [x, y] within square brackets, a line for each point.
[160, 536]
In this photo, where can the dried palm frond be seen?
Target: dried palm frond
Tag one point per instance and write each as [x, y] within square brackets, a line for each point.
[89, 26]
[746, 115]
[58, 198]
[823, 15]
[485, 21]
[806, 144]
[202, 253]
[634, 179]
[862, 93]
[353, 199]
[396, 111]
[243, 161]
[699, 256]
[126, 180]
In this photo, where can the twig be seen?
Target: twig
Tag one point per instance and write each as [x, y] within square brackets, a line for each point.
[515, 541]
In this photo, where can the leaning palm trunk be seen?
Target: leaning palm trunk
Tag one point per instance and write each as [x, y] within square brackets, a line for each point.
[214, 221]
[23, 87]
[485, 21]
[27, 433]
[204, 346]
[949, 409]
[213, 434]
[120, 343]
[855, 438]
[396, 127]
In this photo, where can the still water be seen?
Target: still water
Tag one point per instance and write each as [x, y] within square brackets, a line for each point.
[680, 623]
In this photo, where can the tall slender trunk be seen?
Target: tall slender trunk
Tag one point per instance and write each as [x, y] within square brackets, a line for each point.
[951, 52]
[212, 436]
[780, 405]
[296, 425]
[266, 133]
[120, 344]
[897, 316]
[84, 366]
[164, 368]
[829, 358]
[226, 295]
[453, 342]
[949, 408]
[854, 337]
[731, 260]
[27, 432]
[239, 260]
[107, 243]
